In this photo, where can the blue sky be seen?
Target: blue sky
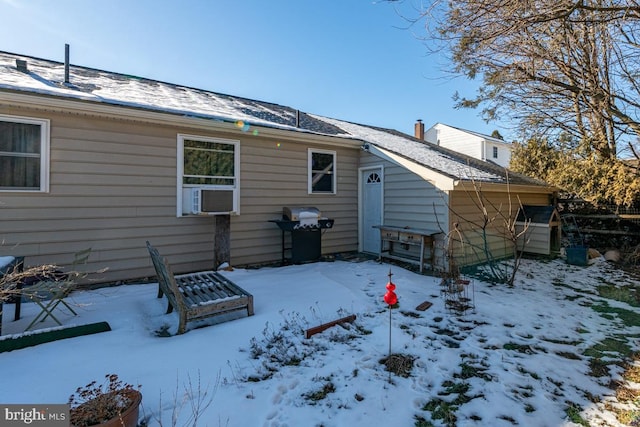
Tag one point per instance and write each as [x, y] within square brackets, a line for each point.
[354, 60]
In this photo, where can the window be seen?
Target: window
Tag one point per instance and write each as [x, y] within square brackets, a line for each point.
[373, 178]
[24, 154]
[211, 164]
[495, 152]
[322, 172]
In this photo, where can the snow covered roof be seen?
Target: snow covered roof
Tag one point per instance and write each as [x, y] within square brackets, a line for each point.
[444, 161]
[46, 77]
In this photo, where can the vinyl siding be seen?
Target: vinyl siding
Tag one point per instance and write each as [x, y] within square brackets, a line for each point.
[504, 154]
[468, 246]
[274, 176]
[540, 238]
[461, 142]
[468, 143]
[410, 201]
[113, 186]
[536, 239]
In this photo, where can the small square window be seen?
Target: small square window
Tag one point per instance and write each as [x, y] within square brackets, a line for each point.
[322, 172]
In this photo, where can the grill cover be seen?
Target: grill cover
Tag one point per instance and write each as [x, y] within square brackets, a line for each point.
[302, 214]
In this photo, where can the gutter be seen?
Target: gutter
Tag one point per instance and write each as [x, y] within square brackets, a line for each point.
[504, 188]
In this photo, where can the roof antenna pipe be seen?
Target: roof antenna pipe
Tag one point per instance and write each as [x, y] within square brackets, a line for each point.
[66, 63]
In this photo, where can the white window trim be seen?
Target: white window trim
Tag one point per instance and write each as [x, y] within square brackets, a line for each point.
[334, 181]
[180, 170]
[45, 125]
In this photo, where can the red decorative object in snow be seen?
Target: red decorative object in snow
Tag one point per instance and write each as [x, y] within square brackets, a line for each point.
[390, 297]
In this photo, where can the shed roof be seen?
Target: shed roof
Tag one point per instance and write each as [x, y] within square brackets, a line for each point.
[538, 214]
[47, 78]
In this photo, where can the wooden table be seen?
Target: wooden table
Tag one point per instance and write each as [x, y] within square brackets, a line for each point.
[391, 235]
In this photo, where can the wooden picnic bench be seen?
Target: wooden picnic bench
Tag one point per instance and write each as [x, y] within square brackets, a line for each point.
[199, 295]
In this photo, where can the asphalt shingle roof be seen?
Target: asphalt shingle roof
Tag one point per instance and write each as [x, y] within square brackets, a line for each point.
[46, 77]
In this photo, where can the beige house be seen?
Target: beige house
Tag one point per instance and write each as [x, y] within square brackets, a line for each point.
[105, 160]
[95, 159]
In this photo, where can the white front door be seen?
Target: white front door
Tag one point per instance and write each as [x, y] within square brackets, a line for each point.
[371, 182]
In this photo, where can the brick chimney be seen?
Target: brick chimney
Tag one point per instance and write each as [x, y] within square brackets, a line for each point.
[419, 130]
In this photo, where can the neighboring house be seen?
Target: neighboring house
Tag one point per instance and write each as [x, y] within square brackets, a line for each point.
[90, 158]
[474, 144]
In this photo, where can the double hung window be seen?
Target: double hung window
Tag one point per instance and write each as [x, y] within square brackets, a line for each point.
[209, 161]
[322, 172]
[208, 174]
[24, 154]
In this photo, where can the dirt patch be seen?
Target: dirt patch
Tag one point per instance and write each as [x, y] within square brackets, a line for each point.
[399, 364]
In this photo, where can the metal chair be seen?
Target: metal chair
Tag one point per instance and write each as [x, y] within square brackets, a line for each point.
[49, 292]
[48, 295]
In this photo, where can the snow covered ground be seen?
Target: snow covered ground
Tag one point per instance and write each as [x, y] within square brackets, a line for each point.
[520, 357]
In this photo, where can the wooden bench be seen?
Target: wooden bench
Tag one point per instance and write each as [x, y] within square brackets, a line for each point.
[200, 295]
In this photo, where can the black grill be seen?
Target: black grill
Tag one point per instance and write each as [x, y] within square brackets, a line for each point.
[302, 229]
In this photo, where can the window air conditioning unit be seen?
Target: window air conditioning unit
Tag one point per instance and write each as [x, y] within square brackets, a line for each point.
[206, 201]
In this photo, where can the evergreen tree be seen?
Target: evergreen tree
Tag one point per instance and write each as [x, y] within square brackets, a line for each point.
[577, 170]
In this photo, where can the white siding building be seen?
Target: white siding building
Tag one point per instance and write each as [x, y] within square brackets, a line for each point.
[474, 144]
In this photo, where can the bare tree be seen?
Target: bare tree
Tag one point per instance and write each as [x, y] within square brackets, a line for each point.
[494, 221]
[481, 233]
[551, 66]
